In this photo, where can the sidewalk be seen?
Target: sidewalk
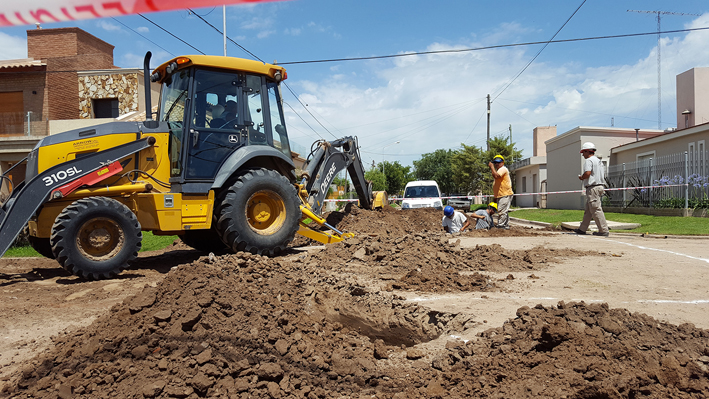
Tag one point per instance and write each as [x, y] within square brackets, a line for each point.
[541, 225]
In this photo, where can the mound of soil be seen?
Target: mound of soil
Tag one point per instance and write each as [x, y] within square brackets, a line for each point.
[430, 262]
[390, 221]
[247, 326]
[330, 324]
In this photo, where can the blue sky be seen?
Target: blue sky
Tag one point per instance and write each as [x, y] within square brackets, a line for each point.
[427, 102]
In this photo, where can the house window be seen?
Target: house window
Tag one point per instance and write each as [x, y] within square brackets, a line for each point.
[692, 158]
[12, 114]
[524, 184]
[105, 107]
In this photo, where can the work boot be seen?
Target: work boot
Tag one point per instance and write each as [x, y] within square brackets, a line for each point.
[598, 233]
[577, 231]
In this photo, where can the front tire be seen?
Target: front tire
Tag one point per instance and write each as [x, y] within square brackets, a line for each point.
[259, 213]
[96, 237]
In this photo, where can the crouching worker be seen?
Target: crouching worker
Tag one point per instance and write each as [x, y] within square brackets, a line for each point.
[484, 217]
[454, 221]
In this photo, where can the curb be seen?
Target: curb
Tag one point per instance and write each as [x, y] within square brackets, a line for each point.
[615, 233]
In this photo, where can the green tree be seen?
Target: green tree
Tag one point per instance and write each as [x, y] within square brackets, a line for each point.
[396, 175]
[470, 170]
[376, 176]
[341, 181]
[437, 166]
[501, 145]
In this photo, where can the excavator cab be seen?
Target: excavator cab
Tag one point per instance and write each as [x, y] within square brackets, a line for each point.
[213, 112]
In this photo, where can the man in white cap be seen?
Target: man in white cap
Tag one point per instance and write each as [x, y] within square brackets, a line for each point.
[593, 179]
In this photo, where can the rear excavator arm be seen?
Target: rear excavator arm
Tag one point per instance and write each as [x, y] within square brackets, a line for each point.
[326, 161]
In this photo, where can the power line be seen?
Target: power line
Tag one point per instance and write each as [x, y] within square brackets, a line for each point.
[307, 110]
[171, 34]
[490, 47]
[540, 51]
[220, 32]
[137, 33]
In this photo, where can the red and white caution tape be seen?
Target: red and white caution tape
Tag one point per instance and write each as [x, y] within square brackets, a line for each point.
[28, 12]
[519, 195]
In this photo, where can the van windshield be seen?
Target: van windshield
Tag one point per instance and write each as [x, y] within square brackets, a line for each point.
[421, 192]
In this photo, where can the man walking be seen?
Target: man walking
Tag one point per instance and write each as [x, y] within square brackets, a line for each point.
[593, 179]
[502, 190]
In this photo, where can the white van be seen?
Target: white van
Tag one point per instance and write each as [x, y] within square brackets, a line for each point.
[422, 194]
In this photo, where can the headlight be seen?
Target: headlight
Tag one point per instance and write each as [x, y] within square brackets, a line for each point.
[405, 205]
[437, 204]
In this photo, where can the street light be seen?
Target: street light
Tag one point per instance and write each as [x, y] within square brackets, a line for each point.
[389, 145]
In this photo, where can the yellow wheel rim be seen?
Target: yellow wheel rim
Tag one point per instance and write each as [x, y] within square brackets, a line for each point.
[100, 239]
[265, 212]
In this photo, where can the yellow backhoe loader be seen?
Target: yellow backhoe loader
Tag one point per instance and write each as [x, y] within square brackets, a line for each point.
[214, 168]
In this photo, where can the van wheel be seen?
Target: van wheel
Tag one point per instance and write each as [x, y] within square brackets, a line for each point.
[259, 213]
[96, 237]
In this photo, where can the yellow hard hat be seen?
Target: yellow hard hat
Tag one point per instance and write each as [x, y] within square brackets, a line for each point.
[498, 158]
[493, 205]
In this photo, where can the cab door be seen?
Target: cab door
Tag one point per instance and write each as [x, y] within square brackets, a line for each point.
[216, 126]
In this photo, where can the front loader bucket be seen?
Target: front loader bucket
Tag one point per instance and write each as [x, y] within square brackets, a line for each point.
[28, 197]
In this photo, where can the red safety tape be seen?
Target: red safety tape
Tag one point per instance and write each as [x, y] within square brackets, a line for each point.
[519, 195]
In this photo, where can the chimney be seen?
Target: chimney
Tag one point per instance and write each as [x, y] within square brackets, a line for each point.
[540, 135]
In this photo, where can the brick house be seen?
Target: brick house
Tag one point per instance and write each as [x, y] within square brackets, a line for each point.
[68, 82]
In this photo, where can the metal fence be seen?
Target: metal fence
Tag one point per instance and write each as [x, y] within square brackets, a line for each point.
[22, 124]
[670, 181]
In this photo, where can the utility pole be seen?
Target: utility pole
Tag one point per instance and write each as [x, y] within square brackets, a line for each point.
[510, 133]
[659, 58]
[224, 26]
[488, 122]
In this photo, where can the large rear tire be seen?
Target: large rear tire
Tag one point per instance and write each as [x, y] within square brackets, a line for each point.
[96, 237]
[259, 213]
[204, 240]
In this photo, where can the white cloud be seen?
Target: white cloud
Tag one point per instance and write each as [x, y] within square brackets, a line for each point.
[142, 29]
[435, 101]
[105, 25]
[265, 33]
[13, 47]
[132, 60]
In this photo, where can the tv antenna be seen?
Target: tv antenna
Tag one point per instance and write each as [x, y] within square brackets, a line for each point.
[659, 15]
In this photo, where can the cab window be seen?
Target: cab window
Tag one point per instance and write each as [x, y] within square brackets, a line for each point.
[216, 100]
[278, 124]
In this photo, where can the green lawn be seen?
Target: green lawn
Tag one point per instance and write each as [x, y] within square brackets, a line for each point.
[151, 242]
[669, 225]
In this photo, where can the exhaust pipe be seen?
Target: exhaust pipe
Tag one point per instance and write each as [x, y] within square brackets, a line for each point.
[146, 79]
[149, 122]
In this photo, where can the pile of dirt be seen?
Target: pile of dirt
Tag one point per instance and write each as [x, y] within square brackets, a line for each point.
[431, 262]
[248, 326]
[332, 323]
[390, 221]
[579, 351]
